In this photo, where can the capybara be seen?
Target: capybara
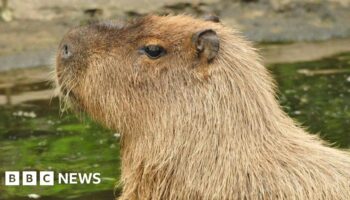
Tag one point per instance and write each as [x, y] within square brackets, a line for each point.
[197, 113]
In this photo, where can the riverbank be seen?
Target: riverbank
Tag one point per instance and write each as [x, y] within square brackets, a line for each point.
[39, 26]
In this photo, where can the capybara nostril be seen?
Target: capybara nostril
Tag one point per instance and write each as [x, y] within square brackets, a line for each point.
[66, 51]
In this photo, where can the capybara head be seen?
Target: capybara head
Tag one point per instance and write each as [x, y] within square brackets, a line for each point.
[157, 66]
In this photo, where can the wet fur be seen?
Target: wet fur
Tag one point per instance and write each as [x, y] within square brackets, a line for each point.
[197, 130]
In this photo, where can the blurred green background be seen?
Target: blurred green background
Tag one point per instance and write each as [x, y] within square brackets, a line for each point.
[305, 44]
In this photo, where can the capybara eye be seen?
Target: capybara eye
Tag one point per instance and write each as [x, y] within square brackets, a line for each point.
[153, 51]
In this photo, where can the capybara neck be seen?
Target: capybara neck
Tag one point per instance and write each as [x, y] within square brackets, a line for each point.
[197, 112]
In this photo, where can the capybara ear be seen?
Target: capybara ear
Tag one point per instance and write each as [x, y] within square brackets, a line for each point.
[207, 44]
[212, 18]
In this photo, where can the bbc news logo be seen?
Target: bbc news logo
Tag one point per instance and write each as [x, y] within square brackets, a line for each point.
[12, 178]
[47, 178]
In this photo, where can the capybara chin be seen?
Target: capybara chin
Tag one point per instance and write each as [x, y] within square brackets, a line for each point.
[197, 113]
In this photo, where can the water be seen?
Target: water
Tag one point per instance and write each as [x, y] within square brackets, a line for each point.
[33, 136]
[317, 95]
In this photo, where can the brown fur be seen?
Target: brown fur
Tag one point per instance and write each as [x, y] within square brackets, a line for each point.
[192, 129]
